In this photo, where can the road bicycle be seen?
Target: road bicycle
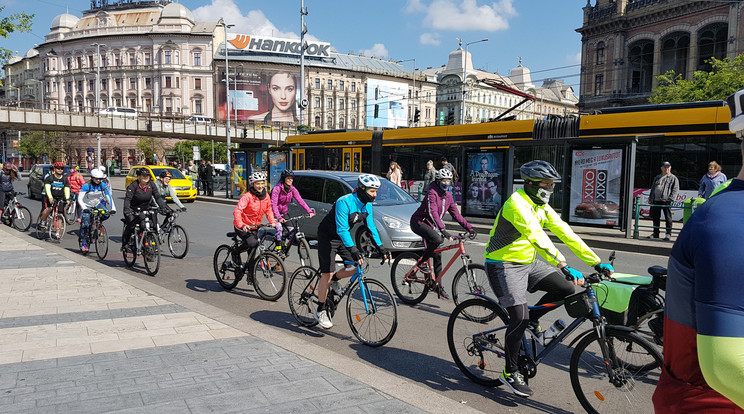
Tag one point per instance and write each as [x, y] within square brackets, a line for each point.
[144, 242]
[97, 237]
[290, 238]
[174, 236]
[371, 310]
[71, 209]
[54, 225]
[265, 269]
[411, 284]
[611, 369]
[16, 215]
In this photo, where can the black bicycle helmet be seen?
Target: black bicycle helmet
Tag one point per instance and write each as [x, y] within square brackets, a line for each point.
[538, 170]
[143, 171]
[285, 174]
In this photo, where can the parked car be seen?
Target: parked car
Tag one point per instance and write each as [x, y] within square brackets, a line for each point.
[199, 119]
[393, 208]
[36, 179]
[597, 209]
[119, 110]
[185, 188]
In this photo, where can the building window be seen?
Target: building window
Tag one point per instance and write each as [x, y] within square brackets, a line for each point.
[353, 86]
[341, 104]
[330, 83]
[317, 121]
[641, 66]
[91, 84]
[317, 83]
[330, 123]
[132, 83]
[167, 57]
[341, 123]
[148, 83]
[711, 43]
[167, 81]
[674, 51]
[148, 105]
[317, 101]
[178, 81]
[132, 58]
[329, 104]
[69, 63]
[598, 85]
[600, 53]
[90, 61]
[197, 83]
[353, 104]
[117, 83]
[352, 123]
[148, 58]
[197, 58]
[341, 85]
[104, 84]
[198, 107]
[132, 102]
[69, 87]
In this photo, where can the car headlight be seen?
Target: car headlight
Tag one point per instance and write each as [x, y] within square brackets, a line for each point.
[394, 223]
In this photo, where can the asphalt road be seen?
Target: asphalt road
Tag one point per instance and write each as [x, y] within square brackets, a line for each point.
[418, 352]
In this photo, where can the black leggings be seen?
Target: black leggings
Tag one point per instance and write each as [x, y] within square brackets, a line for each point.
[250, 241]
[433, 241]
[557, 288]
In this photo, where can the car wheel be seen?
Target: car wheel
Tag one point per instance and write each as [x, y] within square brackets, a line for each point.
[596, 214]
[365, 242]
[30, 193]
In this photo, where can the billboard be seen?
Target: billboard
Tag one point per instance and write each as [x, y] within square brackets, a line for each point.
[276, 45]
[596, 184]
[263, 96]
[387, 104]
[483, 185]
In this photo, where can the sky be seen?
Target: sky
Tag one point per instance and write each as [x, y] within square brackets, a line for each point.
[542, 32]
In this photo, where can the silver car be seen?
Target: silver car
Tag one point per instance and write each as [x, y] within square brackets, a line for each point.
[392, 209]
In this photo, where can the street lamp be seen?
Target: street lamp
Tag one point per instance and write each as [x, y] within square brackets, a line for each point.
[235, 89]
[414, 84]
[97, 98]
[227, 107]
[464, 73]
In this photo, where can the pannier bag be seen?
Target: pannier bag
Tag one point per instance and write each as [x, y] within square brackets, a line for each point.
[626, 299]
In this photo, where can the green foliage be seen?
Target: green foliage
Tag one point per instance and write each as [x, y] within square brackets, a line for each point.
[20, 22]
[150, 147]
[184, 150]
[726, 77]
[38, 144]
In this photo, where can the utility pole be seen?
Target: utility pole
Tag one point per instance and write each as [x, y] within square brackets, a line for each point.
[303, 29]
[226, 26]
[96, 105]
[464, 73]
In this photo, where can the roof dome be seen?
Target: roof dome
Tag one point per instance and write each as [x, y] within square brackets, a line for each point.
[65, 20]
[14, 59]
[177, 11]
[31, 53]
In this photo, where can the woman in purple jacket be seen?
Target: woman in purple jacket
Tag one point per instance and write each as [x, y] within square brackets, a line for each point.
[427, 222]
[281, 196]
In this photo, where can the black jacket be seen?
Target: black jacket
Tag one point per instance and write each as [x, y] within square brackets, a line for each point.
[139, 197]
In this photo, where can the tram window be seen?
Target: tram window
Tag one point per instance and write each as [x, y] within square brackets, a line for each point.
[333, 190]
[310, 188]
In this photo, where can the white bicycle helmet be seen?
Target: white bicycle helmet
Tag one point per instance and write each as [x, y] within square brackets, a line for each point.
[257, 176]
[736, 106]
[96, 173]
[369, 181]
[442, 174]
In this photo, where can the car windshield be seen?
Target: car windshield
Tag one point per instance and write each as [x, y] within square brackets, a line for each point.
[389, 194]
[175, 174]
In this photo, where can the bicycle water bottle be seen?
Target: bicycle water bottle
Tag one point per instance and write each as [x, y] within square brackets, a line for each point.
[554, 330]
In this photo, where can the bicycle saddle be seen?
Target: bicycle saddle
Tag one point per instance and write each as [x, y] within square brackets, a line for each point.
[657, 271]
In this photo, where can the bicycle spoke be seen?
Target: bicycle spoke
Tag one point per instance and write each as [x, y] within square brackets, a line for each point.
[372, 313]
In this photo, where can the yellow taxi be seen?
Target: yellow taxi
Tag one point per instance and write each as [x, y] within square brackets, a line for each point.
[185, 188]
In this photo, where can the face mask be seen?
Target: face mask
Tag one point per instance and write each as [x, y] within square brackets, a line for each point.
[364, 197]
[540, 195]
[445, 187]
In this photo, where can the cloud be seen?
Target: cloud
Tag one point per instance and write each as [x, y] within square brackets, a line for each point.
[467, 15]
[415, 6]
[574, 59]
[431, 39]
[378, 50]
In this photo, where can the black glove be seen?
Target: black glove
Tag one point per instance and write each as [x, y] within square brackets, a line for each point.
[356, 255]
[165, 211]
[472, 234]
[382, 250]
[445, 234]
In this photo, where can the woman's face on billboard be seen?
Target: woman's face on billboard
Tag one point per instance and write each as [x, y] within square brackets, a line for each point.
[282, 89]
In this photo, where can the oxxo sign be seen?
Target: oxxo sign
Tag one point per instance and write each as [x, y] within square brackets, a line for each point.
[594, 185]
[263, 44]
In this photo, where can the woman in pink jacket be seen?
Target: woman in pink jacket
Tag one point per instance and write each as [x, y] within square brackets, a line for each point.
[283, 194]
[249, 212]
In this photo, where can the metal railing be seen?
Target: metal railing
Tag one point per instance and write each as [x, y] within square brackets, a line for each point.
[686, 209]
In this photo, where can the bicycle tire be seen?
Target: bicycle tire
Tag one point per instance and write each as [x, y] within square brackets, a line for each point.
[40, 233]
[269, 276]
[70, 212]
[101, 241]
[301, 295]
[478, 283]
[633, 389]
[303, 251]
[372, 326]
[22, 219]
[475, 336]
[151, 253]
[57, 227]
[129, 252]
[178, 242]
[224, 268]
[411, 288]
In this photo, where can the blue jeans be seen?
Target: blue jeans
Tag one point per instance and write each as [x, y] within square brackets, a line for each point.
[85, 223]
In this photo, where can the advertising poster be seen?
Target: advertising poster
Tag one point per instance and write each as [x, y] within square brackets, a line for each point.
[387, 104]
[239, 173]
[262, 96]
[277, 164]
[596, 184]
[483, 186]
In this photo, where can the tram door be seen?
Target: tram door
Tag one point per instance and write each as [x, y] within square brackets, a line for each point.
[353, 159]
[299, 159]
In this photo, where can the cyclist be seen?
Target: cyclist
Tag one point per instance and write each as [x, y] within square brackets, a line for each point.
[139, 196]
[252, 207]
[7, 176]
[76, 182]
[94, 194]
[336, 239]
[427, 222]
[164, 188]
[704, 313]
[515, 240]
[56, 187]
[281, 195]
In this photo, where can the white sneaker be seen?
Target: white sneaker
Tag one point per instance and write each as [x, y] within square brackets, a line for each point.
[337, 288]
[323, 319]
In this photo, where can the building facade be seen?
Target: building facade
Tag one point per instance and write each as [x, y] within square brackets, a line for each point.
[627, 44]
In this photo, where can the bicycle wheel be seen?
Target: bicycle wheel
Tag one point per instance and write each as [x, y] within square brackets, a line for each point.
[372, 315]
[151, 253]
[71, 212]
[129, 252]
[22, 218]
[40, 231]
[178, 242]
[475, 335]
[301, 295]
[57, 228]
[631, 389]
[100, 241]
[224, 268]
[269, 276]
[408, 282]
[474, 281]
[303, 250]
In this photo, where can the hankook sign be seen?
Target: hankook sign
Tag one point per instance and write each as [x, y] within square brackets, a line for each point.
[263, 44]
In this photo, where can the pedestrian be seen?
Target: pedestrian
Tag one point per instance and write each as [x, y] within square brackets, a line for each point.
[711, 180]
[7, 176]
[429, 177]
[194, 174]
[395, 173]
[447, 165]
[203, 177]
[663, 193]
[704, 313]
[209, 173]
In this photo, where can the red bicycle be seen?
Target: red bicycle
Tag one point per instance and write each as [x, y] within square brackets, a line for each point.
[411, 284]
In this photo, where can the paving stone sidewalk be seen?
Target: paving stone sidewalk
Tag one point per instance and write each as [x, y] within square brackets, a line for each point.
[79, 337]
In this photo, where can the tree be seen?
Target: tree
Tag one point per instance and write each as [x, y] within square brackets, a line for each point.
[726, 77]
[39, 144]
[151, 149]
[20, 22]
[185, 150]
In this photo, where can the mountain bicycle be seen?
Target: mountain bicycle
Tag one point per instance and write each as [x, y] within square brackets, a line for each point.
[71, 209]
[371, 311]
[16, 215]
[611, 369]
[55, 224]
[176, 237]
[265, 269]
[289, 238]
[97, 235]
[411, 284]
[144, 242]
